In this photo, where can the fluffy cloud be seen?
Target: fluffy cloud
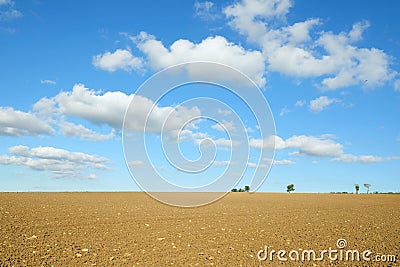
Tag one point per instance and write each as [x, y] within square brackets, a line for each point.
[216, 49]
[320, 103]
[71, 129]
[109, 108]
[322, 147]
[305, 145]
[293, 50]
[118, 60]
[19, 123]
[59, 162]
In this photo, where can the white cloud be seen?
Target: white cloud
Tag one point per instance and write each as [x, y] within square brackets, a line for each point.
[322, 147]
[224, 126]
[92, 176]
[224, 112]
[10, 14]
[19, 123]
[136, 163]
[306, 145]
[279, 162]
[397, 85]
[255, 165]
[300, 103]
[109, 108]
[300, 51]
[314, 146]
[361, 159]
[71, 129]
[218, 142]
[205, 10]
[284, 111]
[270, 142]
[6, 2]
[47, 82]
[59, 162]
[118, 60]
[223, 163]
[320, 103]
[215, 49]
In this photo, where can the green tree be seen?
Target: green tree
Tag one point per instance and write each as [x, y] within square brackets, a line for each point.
[246, 188]
[234, 190]
[357, 187]
[241, 190]
[367, 186]
[290, 188]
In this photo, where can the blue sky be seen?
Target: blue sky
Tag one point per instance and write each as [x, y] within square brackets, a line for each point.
[329, 71]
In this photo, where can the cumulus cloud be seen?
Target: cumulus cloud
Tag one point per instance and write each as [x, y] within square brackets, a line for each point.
[216, 49]
[120, 59]
[71, 129]
[109, 108]
[314, 146]
[320, 103]
[59, 162]
[19, 123]
[305, 145]
[301, 51]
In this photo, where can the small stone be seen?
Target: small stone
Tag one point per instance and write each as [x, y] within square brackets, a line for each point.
[32, 237]
[112, 258]
[160, 238]
[78, 255]
[85, 250]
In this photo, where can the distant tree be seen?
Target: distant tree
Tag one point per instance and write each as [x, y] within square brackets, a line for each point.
[246, 188]
[357, 187]
[290, 188]
[234, 190]
[241, 190]
[367, 186]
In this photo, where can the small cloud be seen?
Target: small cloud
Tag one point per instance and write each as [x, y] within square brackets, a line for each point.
[224, 126]
[205, 10]
[224, 112]
[361, 159]
[284, 111]
[47, 82]
[300, 103]
[92, 176]
[120, 59]
[10, 14]
[397, 85]
[320, 103]
[136, 163]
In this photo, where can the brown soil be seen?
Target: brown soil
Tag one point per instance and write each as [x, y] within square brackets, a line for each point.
[132, 229]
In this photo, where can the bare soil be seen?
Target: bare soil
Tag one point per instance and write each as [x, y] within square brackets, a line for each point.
[132, 229]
